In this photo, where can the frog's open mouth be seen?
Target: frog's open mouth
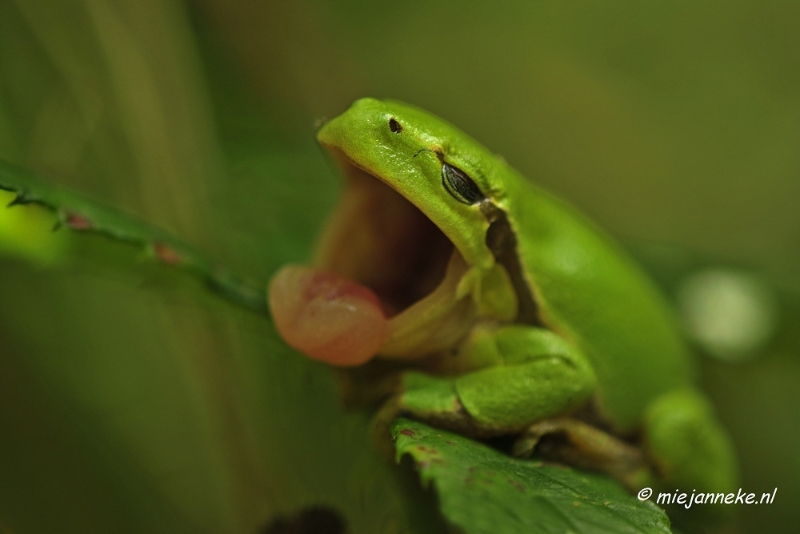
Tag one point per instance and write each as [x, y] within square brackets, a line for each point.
[379, 239]
[384, 281]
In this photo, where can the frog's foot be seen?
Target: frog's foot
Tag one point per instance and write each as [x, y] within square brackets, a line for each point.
[687, 444]
[581, 445]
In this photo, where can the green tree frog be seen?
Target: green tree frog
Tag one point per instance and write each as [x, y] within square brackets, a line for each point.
[496, 308]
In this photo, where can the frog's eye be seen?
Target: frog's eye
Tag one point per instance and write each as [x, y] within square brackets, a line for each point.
[395, 126]
[459, 185]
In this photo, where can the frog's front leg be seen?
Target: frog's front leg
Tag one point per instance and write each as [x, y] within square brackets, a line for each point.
[530, 374]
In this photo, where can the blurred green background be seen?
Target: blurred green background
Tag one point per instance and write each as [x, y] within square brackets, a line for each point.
[131, 403]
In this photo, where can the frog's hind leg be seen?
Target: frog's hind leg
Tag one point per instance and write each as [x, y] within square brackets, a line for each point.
[688, 447]
[581, 445]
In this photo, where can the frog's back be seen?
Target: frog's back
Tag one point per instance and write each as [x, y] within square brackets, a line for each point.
[588, 289]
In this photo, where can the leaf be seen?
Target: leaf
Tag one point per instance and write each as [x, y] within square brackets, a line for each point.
[483, 491]
[27, 233]
[80, 214]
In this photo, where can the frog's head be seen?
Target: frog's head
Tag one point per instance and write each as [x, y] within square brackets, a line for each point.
[406, 169]
[413, 235]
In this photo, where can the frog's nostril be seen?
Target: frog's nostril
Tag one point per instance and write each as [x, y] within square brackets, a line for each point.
[395, 126]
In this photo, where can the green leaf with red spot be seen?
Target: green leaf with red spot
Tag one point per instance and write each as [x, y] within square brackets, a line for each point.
[81, 214]
[484, 491]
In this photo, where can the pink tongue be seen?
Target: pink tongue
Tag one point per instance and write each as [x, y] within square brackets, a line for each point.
[327, 316]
